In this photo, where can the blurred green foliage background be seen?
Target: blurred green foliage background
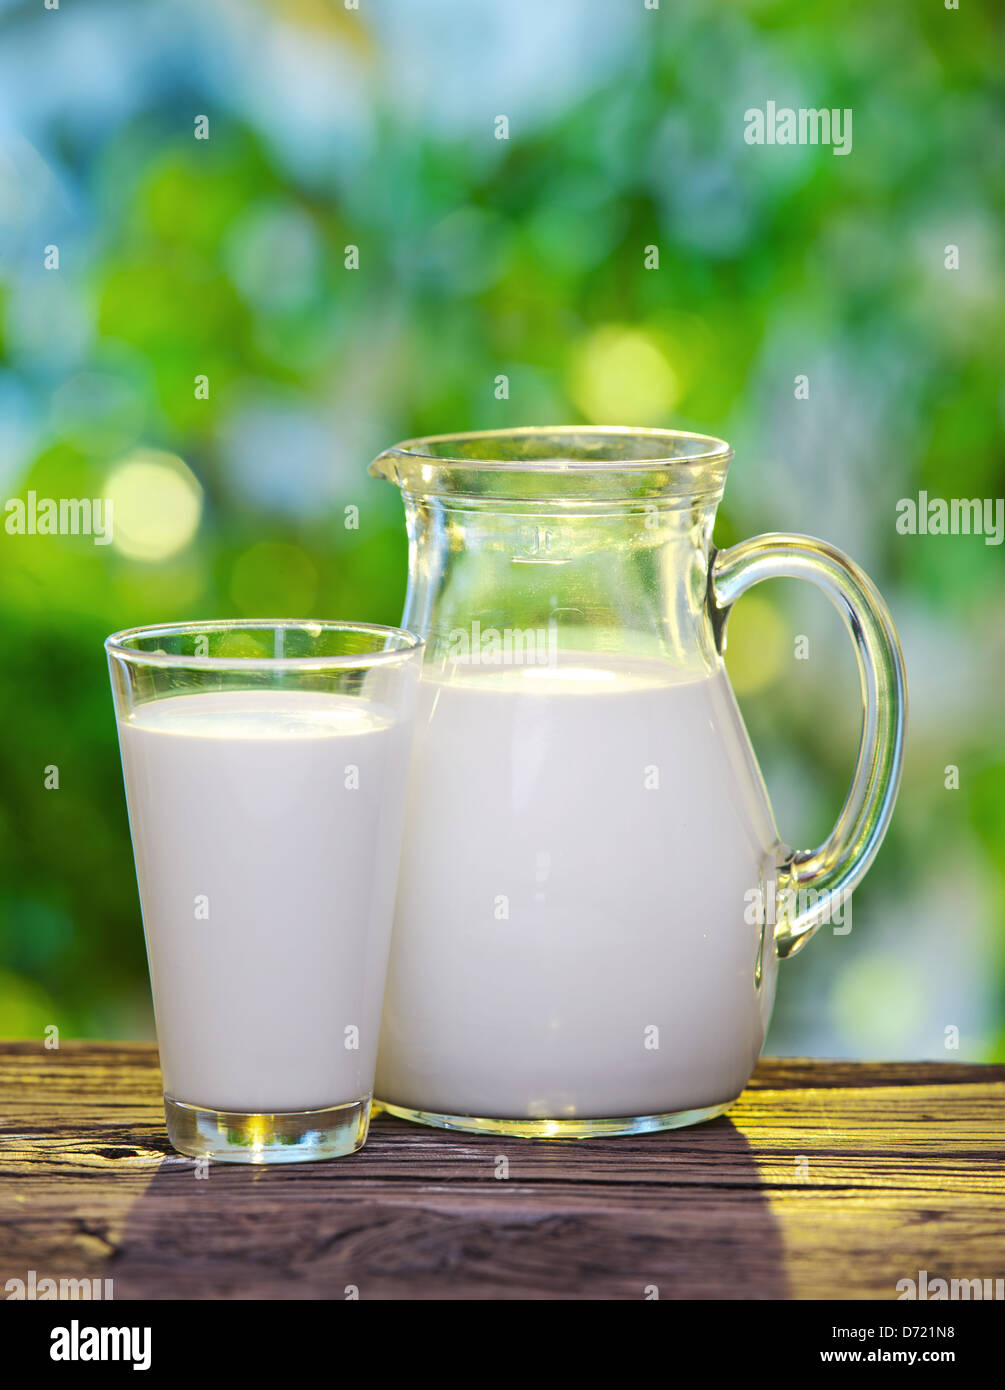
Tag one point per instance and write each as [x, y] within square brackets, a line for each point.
[376, 128]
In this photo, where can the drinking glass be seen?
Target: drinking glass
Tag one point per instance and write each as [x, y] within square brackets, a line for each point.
[265, 767]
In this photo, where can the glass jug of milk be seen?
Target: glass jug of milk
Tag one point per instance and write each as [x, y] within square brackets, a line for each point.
[593, 896]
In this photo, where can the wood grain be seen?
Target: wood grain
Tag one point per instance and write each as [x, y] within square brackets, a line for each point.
[827, 1179]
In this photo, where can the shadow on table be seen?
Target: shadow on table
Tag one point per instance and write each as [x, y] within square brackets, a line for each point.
[421, 1213]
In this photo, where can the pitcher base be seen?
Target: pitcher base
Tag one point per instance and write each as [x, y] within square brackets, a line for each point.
[573, 1128]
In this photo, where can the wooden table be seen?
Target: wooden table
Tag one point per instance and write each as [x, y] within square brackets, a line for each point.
[827, 1179]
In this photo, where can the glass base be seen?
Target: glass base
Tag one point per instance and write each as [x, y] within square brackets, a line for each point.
[575, 1128]
[296, 1136]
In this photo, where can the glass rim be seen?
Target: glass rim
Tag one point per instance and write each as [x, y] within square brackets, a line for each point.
[713, 450]
[116, 645]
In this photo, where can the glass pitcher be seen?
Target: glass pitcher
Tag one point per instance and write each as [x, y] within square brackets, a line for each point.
[593, 896]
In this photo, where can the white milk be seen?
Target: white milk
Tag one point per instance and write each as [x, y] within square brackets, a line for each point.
[241, 800]
[569, 938]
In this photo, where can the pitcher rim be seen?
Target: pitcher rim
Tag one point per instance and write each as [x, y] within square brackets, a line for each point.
[716, 450]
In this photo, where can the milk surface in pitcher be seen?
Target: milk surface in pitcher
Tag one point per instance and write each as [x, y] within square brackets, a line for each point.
[570, 937]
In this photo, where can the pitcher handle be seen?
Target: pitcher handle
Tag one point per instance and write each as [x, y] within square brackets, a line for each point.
[823, 877]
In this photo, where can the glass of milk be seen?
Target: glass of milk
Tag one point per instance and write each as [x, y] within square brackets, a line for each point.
[265, 767]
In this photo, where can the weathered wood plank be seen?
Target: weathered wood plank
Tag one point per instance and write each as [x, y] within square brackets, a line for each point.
[826, 1179]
